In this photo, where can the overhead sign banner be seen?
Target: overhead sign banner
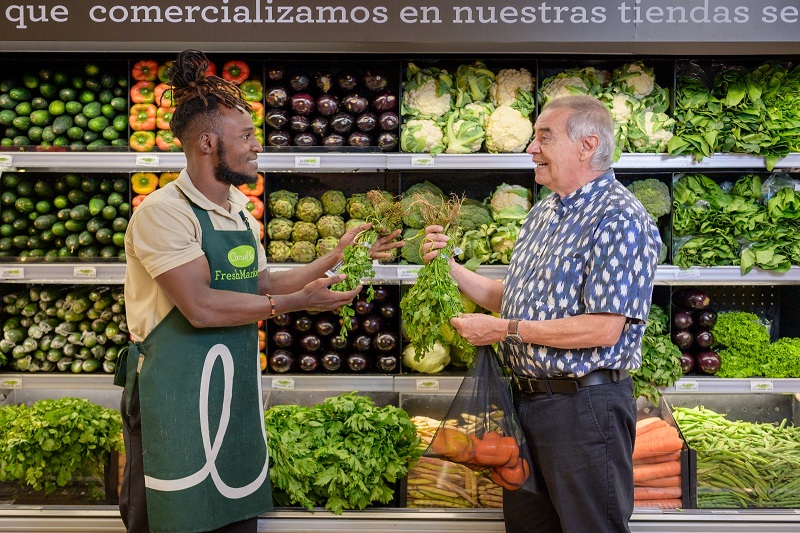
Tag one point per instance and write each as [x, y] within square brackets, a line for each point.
[432, 25]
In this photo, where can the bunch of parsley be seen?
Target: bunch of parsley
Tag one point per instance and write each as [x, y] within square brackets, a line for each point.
[661, 359]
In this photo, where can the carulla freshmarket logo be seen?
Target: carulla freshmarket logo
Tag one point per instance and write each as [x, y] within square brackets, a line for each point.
[242, 256]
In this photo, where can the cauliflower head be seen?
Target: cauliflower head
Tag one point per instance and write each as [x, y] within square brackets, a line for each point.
[463, 136]
[653, 194]
[421, 135]
[506, 84]
[650, 132]
[507, 130]
[635, 78]
[477, 111]
[426, 100]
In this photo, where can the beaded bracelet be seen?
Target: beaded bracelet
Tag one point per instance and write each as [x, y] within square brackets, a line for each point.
[271, 303]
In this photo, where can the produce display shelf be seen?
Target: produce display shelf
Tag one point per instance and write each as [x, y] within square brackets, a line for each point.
[63, 273]
[365, 162]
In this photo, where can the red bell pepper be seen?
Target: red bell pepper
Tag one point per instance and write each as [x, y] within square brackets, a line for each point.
[255, 206]
[163, 71]
[142, 92]
[143, 141]
[145, 70]
[143, 117]
[164, 117]
[167, 142]
[162, 94]
[257, 113]
[255, 189]
[211, 70]
[253, 90]
[235, 71]
[137, 200]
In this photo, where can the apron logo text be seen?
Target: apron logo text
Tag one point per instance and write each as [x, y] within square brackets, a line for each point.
[236, 274]
[242, 256]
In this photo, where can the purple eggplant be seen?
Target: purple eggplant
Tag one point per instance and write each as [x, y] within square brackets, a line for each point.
[682, 339]
[359, 138]
[363, 307]
[281, 361]
[311, 343]
[277, 97]
[319, 126]
[276, 72]
[331, 361]
[299, 81]
[338, 342]
[388, 310]
[366, 122]
[334, 139]
[693, 299]
[342, 122]
[387, 141]
[384, 101]
[282, 320]
[303, 323]
[687, 362]
[354, 104]
[302, 103]
[381, 293]
[304, 139]
[282, 338]
[347, 81]
[356, 362]
[325, 327]
[308, 362]
[278, 138]
[389, 121]
[708, 362]
[327, 105]
[323, 80]
[385, 341]
[387, 363]
[375, 81]
[299, 123]
[703, 338]
[371, 325]
[276, 118]
[706, 318]
[682, 319]
[362, 343]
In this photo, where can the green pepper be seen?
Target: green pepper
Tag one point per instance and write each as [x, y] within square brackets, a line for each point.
[253, 90]
[143, 141]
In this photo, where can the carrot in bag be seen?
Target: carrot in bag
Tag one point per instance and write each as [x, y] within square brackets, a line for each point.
[511, 477]
[453, 444]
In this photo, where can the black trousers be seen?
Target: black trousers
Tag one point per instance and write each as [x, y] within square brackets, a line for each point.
[132, 500]
[582, 447]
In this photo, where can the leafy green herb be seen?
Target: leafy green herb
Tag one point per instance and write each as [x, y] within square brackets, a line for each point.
[344, 453]
[740, 339]
[661, 359]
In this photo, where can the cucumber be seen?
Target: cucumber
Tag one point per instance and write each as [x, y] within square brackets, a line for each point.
[61, 124]
[98, 124]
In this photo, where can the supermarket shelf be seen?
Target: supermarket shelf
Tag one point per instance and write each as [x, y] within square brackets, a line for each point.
[332, 383]
[309, 161]
[62, 273]
[717, 385]
[724, 275]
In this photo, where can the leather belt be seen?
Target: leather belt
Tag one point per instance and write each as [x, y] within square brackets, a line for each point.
[567, 385]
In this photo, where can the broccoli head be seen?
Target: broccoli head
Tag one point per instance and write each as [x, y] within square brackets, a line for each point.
[653, 195]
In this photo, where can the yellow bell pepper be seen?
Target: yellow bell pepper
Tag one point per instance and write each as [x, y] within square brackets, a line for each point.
[167, 177]
[144, 182]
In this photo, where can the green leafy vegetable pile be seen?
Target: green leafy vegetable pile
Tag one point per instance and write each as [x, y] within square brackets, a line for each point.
[46, 444]
[344, 453]
[661, 359]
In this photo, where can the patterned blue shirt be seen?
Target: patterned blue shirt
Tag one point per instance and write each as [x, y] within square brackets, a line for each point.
[593, 251]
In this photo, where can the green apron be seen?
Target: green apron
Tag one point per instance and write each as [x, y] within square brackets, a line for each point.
[203, 440]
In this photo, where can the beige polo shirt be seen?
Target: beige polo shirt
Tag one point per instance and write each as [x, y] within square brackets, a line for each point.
[163, 234]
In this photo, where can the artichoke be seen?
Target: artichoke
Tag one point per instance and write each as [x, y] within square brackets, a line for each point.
[304, 231]
[279, 229]
[303, 252]
[333, 202]
[353, 223]
[282, 203]
[330, 226]
[325, 245]
[309, 209]
[279, 251]
[359, 206]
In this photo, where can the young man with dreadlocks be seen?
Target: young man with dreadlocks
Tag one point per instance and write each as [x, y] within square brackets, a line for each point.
[196, 284]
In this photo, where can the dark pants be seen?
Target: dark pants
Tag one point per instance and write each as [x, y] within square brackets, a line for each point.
[582, 446]
[132, 501]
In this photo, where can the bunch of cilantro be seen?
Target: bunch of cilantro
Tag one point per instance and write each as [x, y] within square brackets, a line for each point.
[344, 453]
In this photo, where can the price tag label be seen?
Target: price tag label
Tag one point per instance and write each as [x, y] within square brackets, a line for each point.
[12, 273]
[687, 273]
[306, 161]
[421, 160]
[11, 383]
[427, 384]
[147, 160]
[6, 160]
[408, 272]
[283, 383]
[85, 272]
[687, 385]
[761, 385]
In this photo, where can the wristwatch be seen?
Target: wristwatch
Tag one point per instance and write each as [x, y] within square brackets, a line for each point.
[512, 335]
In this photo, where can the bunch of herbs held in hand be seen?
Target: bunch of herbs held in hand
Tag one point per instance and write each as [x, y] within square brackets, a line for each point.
[428, 306]
[385, 214]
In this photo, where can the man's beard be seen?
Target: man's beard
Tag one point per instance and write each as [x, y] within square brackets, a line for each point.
[225, 174]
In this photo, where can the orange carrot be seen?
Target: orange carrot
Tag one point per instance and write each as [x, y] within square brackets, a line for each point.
[660, 440]
[657, 458]
[656, 493]
[511, 477]
[648, 424]
[656, 470]
[452, 444]
[671, 481]
[495, 450]
[670, 503]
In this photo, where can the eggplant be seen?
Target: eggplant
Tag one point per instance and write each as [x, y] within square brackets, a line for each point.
[356, 362]
[371, 325]
[281, 361]
[354, 323]
[692, 299]
[299, 81]
[277, 97]
[703, 338]
[362, 343]
[682, 339]
[347, 81]
[385, 341]
[338, 342]
[302, 103]
[366, 122]
[325, 327]
[299, 123]
[359, 138]
[387, 363]
[319, 126]
[380, 293]
[278, 138]
[384, 101]
[342, 122]
[354, 104]
[323, 80]
[388, 310]
[375, 81]
[682, 319]
[706, 318]
[327, 105]
[282, 320]
[389, 121]
[708, 362]
[687, 362]
[331, 361]
[276, 118]
[276, 72]
[387, 141]
[334, 139]
[303, 323]
[304, 139]
[308, 362]
[363, 307]
[311, 343]
[282, 338]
